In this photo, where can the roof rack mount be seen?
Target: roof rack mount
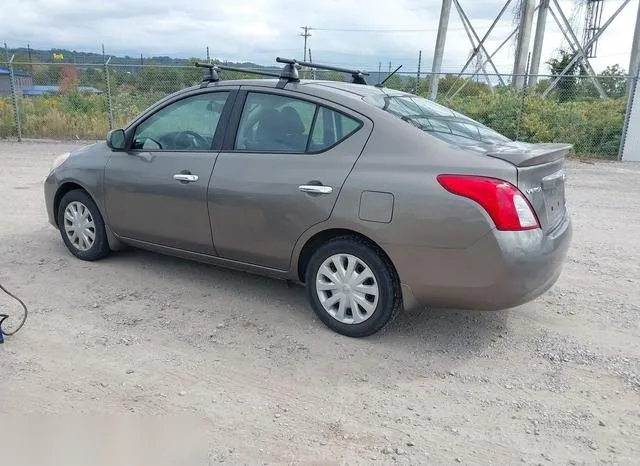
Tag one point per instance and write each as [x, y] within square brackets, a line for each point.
[211, 76]
[357, 75]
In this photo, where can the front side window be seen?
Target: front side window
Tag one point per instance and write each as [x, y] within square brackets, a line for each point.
[188, 124]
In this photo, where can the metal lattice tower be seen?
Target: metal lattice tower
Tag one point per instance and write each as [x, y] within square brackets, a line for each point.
[582, 43]
[592, 25]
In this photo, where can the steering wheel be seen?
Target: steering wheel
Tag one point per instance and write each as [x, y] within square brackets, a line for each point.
[190, 140]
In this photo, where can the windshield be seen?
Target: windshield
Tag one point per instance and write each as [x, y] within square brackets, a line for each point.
[437, 119]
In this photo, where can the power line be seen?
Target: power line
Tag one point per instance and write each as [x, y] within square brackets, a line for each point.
[387, 30]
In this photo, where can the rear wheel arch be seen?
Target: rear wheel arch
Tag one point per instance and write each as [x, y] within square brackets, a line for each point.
[324, 236]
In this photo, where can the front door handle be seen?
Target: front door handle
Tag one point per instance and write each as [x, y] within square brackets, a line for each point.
[315, 189]
[188, 178]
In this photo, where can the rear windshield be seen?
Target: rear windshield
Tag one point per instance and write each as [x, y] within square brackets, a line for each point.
[437, 119]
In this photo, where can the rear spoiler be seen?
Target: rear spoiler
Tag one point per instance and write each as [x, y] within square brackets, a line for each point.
[527, 155]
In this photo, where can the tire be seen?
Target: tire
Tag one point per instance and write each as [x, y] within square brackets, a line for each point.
[80, 202]
[372, 315]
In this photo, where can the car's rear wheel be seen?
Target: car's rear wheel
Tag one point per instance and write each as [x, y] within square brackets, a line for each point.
[82, 227]
[352, 287]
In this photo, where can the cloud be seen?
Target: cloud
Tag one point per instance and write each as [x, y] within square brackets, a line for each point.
[260, 30]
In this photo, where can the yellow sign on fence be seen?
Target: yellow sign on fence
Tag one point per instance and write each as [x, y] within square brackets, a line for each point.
[58, 56]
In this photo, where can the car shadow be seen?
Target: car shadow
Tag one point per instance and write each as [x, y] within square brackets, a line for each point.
[430, 329]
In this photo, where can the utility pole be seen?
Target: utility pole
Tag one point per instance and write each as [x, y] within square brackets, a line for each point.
[389, 67]
[379, 70]
[538, 42]
[30, 62]
[418, 73]
[305, 35]
[445, 12]
[524, 37]
[208, 56]
[634, 63]
[313, 70]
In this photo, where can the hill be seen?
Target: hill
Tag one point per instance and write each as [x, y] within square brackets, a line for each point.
[79, 57]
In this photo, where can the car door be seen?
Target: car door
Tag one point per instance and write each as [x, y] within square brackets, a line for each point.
[156, 192]
[279, 173]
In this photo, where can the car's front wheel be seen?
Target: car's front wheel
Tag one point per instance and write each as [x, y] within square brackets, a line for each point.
[82, 227]
[352, 287]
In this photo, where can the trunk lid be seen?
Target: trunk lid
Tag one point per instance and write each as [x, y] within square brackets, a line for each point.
[541, 177]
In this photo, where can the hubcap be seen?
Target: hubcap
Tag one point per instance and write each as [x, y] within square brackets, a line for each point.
[79, 226]
[347, 289]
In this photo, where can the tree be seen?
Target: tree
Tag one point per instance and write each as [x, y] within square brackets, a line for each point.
[21, 62]
[69, 79]
[335, 76]
[411, 84]
[46, 74]
[450, 83]
[567, 85]
[394, 82]
[614, 81]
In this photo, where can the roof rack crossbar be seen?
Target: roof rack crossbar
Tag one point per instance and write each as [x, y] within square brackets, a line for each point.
[357, 75]
[212, 75]
[244, 70]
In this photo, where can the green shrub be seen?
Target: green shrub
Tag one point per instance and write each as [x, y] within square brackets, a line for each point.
[7, 125]
[594, 127]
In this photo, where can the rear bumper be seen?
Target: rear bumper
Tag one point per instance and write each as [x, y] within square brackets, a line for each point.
[502, 270]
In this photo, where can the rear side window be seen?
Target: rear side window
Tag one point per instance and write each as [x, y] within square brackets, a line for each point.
[330, 128]
[276, 123]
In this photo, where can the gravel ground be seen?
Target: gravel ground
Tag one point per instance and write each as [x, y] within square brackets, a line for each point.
[556, 381]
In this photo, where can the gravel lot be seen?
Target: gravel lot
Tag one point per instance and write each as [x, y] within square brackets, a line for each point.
[556, 381]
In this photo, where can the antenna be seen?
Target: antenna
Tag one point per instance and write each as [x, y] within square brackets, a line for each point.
[357, 75]
[381, 84]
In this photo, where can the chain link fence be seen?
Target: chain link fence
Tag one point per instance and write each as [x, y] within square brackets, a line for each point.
[83, 101]
[571, 111]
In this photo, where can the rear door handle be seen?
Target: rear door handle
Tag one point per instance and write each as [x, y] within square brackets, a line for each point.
[185, 177]
[315, 189]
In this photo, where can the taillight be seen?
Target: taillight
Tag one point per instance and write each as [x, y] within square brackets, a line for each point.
[505, 204]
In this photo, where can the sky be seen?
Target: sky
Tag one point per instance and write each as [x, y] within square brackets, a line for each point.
[344, 32]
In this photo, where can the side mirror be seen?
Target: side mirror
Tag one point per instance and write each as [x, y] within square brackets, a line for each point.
[116, 139]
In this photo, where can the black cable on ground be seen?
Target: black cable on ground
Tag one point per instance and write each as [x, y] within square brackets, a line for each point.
[4, 317]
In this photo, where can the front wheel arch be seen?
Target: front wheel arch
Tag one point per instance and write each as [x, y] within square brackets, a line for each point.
[62, 190]
[114, 243]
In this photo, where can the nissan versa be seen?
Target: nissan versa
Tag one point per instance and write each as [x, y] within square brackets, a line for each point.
[376, 200]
